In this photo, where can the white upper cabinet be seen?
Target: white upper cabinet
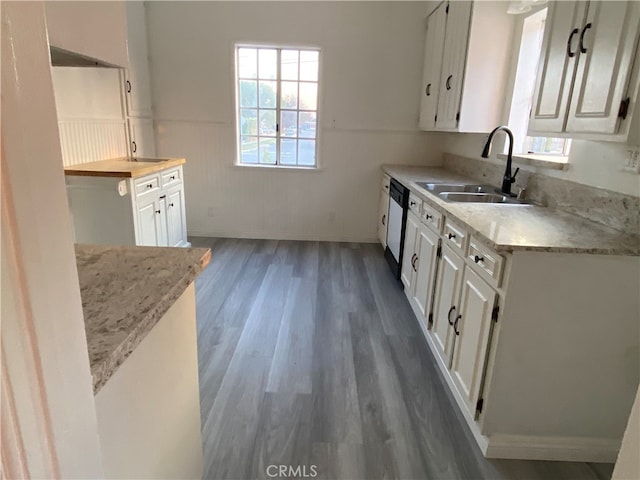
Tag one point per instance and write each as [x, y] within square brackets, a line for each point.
[608, 42]
[585, 82]
[466, 66]
[141, 137]
[557, 63]
[452, 73]
[137, 81]
[432, 67]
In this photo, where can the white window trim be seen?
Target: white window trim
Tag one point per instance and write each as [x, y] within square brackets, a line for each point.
[318, 167]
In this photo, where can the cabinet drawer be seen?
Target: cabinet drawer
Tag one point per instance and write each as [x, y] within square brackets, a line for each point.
[431, 218]
[171, 177]
[386, 180]
[147, 184]
[415, 204]
[487, 262]
[455, 236]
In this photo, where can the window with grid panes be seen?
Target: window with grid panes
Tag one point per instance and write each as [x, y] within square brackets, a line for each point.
[277, 96]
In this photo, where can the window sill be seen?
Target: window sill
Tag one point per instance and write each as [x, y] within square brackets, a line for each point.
[550, 162]
[276, 168]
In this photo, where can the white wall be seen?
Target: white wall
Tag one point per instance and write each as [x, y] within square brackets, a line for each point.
[90, 113]
[93, 29]
[598, 164]
[370, 86]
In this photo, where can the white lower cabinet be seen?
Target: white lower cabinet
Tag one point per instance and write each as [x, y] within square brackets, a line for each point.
[176, 222]
[472, 330]
[426, 263]
[383, 213]
[409, 255]
[147, 210]
[446, 303]
[518, 338]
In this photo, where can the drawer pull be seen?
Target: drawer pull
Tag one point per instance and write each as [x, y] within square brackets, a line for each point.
[162, 196]
[172, 177]
[427, 216]
[478, 259]
[157, 211]
[455, 325]
[149, 185]
[412, 203]
[453, 307]
[386, 187]
[171, 204]
[451, 235]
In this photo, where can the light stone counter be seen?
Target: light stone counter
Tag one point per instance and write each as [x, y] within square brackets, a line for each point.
[125, 291]
[509, 228]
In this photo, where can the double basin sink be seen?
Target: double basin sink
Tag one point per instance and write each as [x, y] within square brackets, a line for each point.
[469, 193]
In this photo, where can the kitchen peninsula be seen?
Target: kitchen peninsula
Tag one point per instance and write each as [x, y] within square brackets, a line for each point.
[139, 310]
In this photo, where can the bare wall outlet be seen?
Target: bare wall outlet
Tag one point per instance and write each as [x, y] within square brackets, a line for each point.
[632, 164]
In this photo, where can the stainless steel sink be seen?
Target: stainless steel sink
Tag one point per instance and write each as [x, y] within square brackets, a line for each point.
[479, 198]
[437, 188]
[149, 160]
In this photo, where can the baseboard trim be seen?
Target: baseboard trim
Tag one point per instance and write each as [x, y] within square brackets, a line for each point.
[570, 449]
[288, 236]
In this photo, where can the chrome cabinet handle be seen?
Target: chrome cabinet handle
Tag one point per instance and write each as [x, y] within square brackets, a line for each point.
[584, 30]
[453, 307]
[455, 325]
[569, 52]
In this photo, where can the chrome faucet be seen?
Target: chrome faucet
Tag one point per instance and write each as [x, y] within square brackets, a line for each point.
[508, 179]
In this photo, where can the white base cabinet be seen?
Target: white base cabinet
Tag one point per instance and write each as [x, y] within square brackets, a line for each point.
[539, 349]
[383, 211]
[147, 210]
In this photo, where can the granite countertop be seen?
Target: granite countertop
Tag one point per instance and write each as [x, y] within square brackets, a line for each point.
[122, 167]
[509, 228]
[125, 291]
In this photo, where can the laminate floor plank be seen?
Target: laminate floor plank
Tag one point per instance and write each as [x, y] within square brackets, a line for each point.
[310, 355]
[291, 366]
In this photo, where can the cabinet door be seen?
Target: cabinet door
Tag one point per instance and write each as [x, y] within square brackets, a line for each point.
[162, 233]
[408, 267]
[142, 137]
[176, 225]
[382, 218]
[138, 90]
[432, 67]
[556, 67]
[426, 263]
[453, 62]
[473, 331]
[148, 223]
[608, 40]
[446, 304]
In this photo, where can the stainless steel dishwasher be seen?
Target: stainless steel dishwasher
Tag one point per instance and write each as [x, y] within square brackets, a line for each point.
[398, 206]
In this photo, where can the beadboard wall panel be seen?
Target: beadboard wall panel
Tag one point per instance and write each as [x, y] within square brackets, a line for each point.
[90, 111]
[86, 141]
[337, 202]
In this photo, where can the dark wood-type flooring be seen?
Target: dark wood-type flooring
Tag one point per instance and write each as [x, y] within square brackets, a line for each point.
[309, 354]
